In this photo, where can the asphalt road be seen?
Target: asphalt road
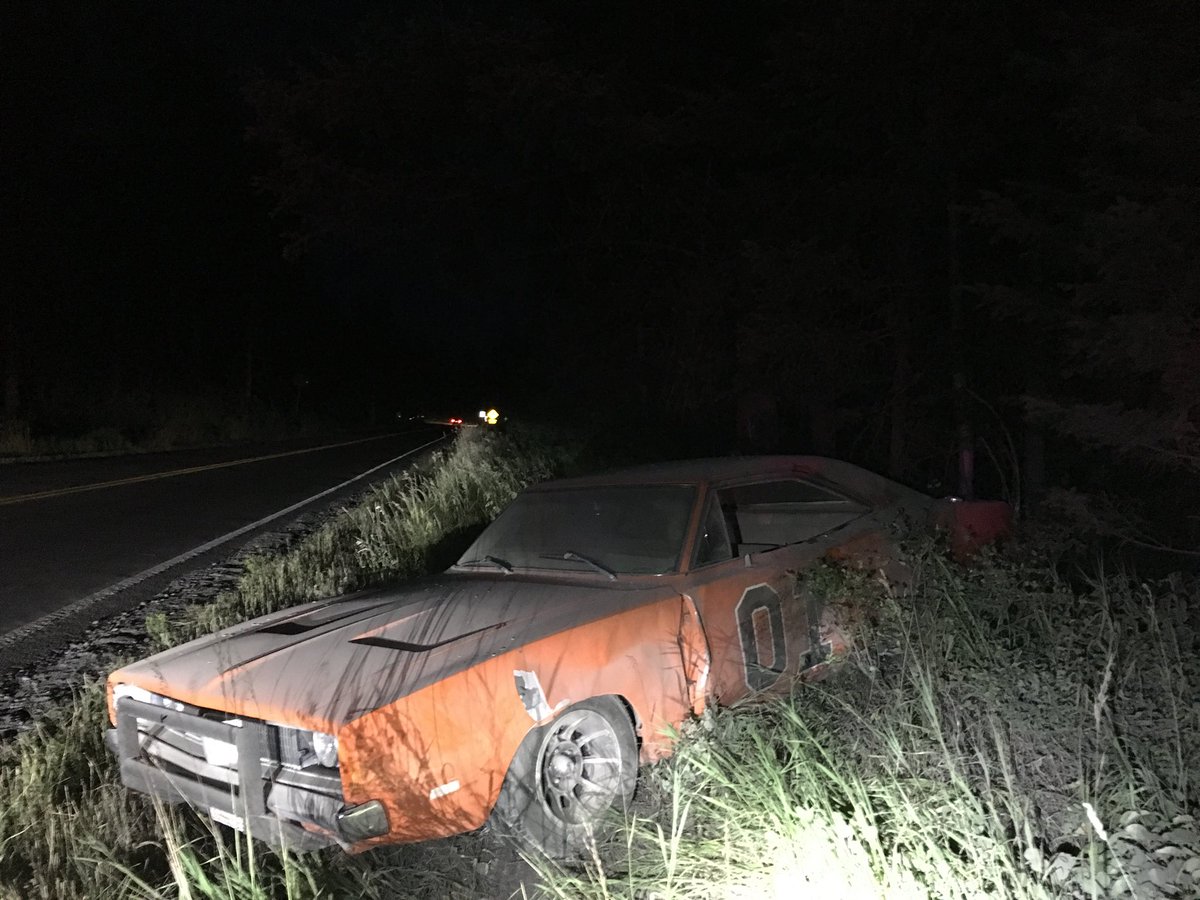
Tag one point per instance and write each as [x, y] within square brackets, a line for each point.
[89, 537]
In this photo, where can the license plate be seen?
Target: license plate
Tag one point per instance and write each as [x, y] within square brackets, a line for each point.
[227, 818]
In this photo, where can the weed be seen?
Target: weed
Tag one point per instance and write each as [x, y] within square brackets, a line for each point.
[1019, 717]
[68, 828]
[994, 733]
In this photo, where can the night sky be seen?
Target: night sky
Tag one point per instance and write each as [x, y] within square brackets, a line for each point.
[883, 222]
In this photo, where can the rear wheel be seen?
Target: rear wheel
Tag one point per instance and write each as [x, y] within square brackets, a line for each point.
[569, 776]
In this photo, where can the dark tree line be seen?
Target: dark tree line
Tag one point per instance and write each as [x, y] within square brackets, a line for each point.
[917, 227]
[139, 268]
[914, 231]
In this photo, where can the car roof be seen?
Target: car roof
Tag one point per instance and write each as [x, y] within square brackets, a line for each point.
[852, 478]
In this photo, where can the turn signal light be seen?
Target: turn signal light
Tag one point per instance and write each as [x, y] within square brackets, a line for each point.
[367, 820]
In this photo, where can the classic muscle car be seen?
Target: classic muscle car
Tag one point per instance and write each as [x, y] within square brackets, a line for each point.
[527, 682]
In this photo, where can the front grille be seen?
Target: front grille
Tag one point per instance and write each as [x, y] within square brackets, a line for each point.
[235, 769]
[295, 747]
[289, 747]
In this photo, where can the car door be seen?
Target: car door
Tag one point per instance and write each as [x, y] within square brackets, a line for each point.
[759, 618]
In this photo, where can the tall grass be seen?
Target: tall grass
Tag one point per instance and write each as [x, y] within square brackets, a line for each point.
[391, 533]
[996, 734]
[69, 829]
[59, 798]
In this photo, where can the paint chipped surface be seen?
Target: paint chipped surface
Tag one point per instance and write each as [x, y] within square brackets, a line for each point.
[449, 674]
[533, 698]
[443, 790]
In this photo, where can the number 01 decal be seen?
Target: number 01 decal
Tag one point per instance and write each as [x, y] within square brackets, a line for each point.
[760, 625]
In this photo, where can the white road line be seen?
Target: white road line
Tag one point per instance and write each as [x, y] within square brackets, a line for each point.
[17, 635]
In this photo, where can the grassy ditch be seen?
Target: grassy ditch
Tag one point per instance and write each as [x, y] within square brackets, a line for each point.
[997, 735]
[400, 529]
[68, 829]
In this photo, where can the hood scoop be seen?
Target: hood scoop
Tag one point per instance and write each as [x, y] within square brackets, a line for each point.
[334, 613]
[287, 628]
[392, 644]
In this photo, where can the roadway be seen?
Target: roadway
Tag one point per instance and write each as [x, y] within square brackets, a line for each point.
[80, 539]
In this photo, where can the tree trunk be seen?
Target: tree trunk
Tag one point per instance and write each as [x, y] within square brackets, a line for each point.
[12, 371]
[901, 382]
[965, 434]
[822, 418]
[1033, 468]
[248, 393]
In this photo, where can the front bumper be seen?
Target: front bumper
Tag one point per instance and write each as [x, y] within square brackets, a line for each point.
[239, 771]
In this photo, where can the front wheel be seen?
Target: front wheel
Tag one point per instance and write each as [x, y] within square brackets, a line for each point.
[568, 776]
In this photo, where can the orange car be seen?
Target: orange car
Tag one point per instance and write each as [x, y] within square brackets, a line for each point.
[526, 683]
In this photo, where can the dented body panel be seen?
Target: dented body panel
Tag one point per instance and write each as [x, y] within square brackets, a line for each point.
[326, 664]
[430, 688]
[636, 657]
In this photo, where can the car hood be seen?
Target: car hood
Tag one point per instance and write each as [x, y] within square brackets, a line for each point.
[325, 664]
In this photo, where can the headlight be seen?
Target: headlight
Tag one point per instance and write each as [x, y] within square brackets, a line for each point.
[326, 749]
[145, 696]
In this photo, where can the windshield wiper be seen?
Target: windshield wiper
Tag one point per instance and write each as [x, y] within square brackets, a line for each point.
[579, 557]
[494, 560]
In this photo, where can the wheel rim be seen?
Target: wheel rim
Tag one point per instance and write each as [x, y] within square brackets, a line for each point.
[579, 768]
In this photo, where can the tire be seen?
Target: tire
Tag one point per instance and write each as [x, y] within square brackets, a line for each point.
[570, 778]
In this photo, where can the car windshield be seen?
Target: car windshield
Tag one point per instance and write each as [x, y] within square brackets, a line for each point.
[619, 530]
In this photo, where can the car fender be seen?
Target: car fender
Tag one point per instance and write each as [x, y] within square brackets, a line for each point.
[695, 655]
[436, 759]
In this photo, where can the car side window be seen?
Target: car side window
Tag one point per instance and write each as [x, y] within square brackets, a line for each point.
[716, 543]
[770, 514]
